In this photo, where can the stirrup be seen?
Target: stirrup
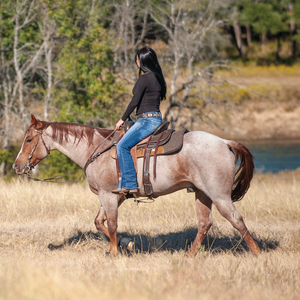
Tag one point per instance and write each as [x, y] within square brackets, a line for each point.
[124, 191]
[120, 191]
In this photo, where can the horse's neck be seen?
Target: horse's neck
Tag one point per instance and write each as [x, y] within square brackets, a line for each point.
[78, 150]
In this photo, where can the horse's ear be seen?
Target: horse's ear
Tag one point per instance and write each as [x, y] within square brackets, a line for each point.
[33, 120]
[36, 123]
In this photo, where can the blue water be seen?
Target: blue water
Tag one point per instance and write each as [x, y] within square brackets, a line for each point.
[274, 156]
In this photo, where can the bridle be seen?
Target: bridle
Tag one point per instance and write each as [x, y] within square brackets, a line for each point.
[91, 159]
[29, 164]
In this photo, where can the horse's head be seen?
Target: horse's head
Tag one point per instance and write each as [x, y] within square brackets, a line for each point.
[33, 148]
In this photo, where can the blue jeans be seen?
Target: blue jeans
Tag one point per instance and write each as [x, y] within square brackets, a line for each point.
[142, 128]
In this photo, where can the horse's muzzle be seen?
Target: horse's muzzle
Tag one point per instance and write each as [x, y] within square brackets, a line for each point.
[25, 170]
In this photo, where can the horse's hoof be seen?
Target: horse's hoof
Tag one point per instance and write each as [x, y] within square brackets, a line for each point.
[106, 254]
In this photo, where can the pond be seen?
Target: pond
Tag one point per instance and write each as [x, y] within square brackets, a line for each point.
[275, 155]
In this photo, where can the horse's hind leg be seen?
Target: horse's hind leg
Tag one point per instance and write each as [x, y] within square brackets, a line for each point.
[203, 210]
[229, 211]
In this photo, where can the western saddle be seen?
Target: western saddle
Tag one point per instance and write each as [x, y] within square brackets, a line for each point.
[162, 142]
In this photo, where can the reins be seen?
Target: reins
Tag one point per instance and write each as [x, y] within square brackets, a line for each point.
[91, 159]
[51, 178]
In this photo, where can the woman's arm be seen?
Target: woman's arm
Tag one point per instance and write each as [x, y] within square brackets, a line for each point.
[138, 92]
[119, 124]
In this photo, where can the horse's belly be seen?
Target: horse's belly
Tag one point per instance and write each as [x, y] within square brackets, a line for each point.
[170, 176]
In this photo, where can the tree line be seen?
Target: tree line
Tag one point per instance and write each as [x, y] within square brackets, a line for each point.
[74, 59]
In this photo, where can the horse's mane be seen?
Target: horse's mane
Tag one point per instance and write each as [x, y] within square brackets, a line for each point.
[61, 131]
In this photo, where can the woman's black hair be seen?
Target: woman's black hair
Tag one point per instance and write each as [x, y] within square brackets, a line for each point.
[149, 63]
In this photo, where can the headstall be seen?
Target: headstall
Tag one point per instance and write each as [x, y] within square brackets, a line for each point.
[30, 165]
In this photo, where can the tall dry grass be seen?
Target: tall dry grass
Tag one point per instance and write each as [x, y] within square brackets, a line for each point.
[34, 216]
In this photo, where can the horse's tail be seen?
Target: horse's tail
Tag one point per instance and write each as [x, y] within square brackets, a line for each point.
[245, 171]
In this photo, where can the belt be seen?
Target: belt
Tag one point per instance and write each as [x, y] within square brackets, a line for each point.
[147, 115]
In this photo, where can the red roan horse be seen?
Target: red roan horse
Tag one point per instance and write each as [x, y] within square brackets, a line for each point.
[205, 163]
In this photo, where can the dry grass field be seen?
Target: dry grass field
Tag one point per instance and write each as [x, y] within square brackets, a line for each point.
[50, 249]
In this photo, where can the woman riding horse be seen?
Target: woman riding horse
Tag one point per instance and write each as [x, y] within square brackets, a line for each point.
[149, 90]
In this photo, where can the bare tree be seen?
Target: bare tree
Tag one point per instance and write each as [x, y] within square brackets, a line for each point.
[5, 83]
[238, 33]
[129, 25]
[193, 32]
[6, 115]
[18, 65]
[48, 31]
[25, 13]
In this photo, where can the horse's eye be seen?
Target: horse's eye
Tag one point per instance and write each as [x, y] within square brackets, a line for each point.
[29, 140]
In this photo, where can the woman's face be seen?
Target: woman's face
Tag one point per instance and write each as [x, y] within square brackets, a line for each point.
[138, 61]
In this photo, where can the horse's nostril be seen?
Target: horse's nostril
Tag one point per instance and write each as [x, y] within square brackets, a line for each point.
[16, 167]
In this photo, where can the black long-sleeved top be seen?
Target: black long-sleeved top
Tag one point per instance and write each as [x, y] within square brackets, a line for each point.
[146, 96]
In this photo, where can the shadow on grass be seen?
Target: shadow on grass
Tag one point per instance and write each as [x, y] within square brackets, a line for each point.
[215, 242]
[80, 237]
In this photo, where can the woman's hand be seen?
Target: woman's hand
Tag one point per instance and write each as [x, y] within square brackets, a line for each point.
[120, 123]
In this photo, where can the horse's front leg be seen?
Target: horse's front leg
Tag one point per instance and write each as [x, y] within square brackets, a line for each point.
[109, 212]
[99, 222]
[101, 218]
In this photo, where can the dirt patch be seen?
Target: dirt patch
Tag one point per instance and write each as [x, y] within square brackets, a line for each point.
[252, 121]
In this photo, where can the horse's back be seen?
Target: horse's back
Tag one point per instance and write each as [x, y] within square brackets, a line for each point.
[200, 149]
[206, 144]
